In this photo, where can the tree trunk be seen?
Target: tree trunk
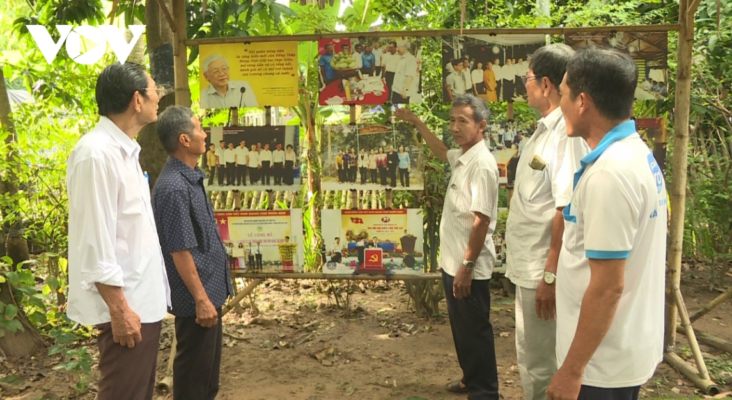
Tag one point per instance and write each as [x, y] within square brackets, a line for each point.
[28, 341]
[159, 38]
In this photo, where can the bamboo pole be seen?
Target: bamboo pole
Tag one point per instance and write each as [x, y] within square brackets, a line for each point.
[695, 350]
[712, 304]
[681, 150]
[709, 340]
[431, 33]
[688, 371]
[180, 53]
[318, 275]
[245, 292]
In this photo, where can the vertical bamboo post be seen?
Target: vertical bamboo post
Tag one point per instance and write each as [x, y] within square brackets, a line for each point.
[180, 53]
[681, 150]
[267, 115]
[695, 350]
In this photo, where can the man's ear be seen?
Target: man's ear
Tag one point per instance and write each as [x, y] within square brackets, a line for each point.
[184, 140]
[584, 102]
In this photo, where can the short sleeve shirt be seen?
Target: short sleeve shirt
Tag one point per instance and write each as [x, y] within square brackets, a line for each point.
[618, 211]
[185, 221]
[241, 155]
[456, 82]
[324, 62]
[473, 188]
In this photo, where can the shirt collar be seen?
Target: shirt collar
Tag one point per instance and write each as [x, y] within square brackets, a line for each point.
[616, 134]
[213, 91]
[130, 147]
[193, 175]
[469, 155]
[550, 121]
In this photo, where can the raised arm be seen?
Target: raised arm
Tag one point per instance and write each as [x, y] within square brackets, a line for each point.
[433, 142]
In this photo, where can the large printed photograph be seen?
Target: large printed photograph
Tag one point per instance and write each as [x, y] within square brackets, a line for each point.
[490, 67]
[372, 157]
[253, 158]
[370, 71]
[379, 241]
[648, 49]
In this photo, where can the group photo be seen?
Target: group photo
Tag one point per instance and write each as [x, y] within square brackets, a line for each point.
[368, 71]
[372, 157]
[253, 158]
[489, 67]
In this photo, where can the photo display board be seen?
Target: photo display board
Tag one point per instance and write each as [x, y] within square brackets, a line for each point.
[385, 241]
[491, 67]
[249, 75]
[372, 157]
[253, 158]
[263, 241]
[370, 71]
[648, 49]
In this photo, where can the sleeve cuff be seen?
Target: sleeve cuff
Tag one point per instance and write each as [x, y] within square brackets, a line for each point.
[607, 255]
[107, 274]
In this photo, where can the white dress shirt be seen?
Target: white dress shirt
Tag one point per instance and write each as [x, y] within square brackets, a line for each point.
[112, 234]
[467, 78]
[537, 195]
[220, 155]
[253, 159]
[498, 72]
[265, 155]
[241, 155]
[456, 83]
[290, 156]
[210, 98]
[390, 61]
[473, 188]
[406, 67]
[230, 156]
[278, 156]
[363, 160]
[359, 60]
[378, 53]
[477, 75]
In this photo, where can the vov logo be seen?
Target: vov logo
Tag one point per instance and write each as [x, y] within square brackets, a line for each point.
[99, 35]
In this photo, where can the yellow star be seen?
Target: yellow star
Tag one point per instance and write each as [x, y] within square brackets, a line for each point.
[222, 221]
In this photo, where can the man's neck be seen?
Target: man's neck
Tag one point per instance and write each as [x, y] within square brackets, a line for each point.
[187, 159]
[552, 105]
[127, 123]
[599, 129]
[469, 146]
[223, 90]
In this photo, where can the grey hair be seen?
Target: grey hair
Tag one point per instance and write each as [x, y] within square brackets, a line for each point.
[480, 109]
[208, 60]
[173, 122]
[404, 43]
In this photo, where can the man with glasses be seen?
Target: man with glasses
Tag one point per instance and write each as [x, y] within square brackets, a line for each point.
[542, 188]
[117, 279]
[222, 92]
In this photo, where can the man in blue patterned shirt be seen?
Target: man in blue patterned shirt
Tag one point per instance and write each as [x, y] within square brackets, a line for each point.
[194, 254]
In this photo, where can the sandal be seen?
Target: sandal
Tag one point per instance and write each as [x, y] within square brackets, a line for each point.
[455, 387]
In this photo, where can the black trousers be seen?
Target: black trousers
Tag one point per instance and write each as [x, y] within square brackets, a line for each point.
[404, 176]
[221, 171]
[277, 172]
[389, 78]
[499, 84]
[508, 90]
[596, 393]
[266, 172]
[241, 175]
[230, 173]
[364, 174]
[197, 359]
[382, 175]
[288, 174]
[211, 173]
[253, 175]
[352, 173]
[259, 260]
[374, 175]
[473, 335]
[393, 176]
[341, 173]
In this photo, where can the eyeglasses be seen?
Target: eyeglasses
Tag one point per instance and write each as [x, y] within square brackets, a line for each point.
[528, 78]
[159, 89]
[219, 71]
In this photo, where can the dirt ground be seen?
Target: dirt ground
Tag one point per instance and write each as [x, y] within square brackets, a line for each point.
[299, 345]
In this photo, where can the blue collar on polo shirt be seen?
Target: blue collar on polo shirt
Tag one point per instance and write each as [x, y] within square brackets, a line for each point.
[616, 134]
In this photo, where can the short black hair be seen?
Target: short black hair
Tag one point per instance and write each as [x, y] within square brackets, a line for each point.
[608, 76]
[455, 63]
[117, 85]
[551, 61]
[173, 122]
[289, 146]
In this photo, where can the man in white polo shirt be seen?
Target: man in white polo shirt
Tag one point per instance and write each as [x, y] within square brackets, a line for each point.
[542, 188]
[467, 253]
[242, 153]
[610, 282]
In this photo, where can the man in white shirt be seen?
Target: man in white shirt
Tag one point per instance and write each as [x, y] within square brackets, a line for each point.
[542, 188]
[508, 75]
[117, 279]
[357, 55]
[265, 160]
[468, 77]
[278, 164]
[610, 281]
[389, 62]
[241, 164]
[254, 165]
[222, 92]
[378, 53]
[467, 253]
[454, 83]
[220, 162]
[406, 77]
[498, 72]
[230, 158]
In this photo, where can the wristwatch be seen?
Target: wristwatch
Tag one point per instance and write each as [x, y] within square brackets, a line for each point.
[469, 265]
[549, 278]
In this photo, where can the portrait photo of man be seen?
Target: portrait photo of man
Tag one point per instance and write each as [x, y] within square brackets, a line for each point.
[223, 92]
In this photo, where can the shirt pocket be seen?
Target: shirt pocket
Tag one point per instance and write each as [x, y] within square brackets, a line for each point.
[534, 185]
[201, 225]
